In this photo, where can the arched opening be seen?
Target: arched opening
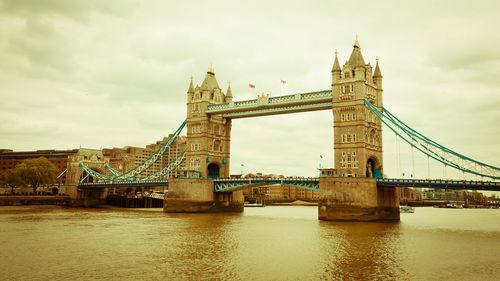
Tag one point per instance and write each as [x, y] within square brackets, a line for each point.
[88, 178]
[372, 169]
[213, 171]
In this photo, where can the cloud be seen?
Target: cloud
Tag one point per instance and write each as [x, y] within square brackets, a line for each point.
[115, 73]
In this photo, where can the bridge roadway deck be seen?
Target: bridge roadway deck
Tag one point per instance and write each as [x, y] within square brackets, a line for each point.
[221, 185]
[444, 184]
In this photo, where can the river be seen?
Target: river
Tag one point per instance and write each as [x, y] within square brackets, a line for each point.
[271, 243]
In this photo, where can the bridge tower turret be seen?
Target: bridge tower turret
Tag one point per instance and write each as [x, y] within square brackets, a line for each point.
[357, 132]
[208, 137]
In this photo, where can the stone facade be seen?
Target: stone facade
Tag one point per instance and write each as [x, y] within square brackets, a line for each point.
[208, 136]
[357, 131]
[349, 192]
[94, 159]
[356, 199]
[198, 196]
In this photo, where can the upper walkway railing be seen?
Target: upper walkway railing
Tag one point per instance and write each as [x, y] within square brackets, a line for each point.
[264, 105]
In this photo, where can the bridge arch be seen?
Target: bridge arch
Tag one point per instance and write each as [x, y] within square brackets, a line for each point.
[373, 168]
[213, 170]
[87, 177]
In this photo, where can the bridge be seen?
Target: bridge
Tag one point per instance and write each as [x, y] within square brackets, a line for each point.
[222, 185]
[202, 170]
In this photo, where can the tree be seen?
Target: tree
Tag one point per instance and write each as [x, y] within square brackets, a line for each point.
[37, 172]
[10, 178]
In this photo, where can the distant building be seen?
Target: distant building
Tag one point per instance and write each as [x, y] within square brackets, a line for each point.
[409, 194]
[9, 159]
[279, 192]
[124, 159]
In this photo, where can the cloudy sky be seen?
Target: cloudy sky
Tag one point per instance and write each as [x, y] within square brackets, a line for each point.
[114, 73]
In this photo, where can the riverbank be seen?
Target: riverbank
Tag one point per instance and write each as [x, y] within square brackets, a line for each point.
[296, 203]
[19, 200]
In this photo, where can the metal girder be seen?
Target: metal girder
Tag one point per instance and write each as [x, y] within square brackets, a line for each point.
[93, 173]
[168, 168]
[111, 170]
[301, 102]
[445, 184]
[153, 158]
[279, 110]
[222, 185]
[100, 185]
[433, 149]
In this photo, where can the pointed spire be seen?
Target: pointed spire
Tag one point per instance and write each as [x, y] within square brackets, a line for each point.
[229, 92]
[191, 88]
[356, 58]
[356, 42]
[377, 72]
[336, 64]
[210, 83]
[211, 70]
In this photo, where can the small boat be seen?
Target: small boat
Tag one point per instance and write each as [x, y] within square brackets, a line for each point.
[256, 204]
[406, 209]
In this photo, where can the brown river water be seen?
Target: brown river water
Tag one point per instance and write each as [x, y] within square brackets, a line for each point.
[271, 243]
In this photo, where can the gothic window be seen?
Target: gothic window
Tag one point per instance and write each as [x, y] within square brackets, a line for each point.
[347, 117]
[371, 139]
[342, 117]
[217, 145]
[353, 116]
[351, 88]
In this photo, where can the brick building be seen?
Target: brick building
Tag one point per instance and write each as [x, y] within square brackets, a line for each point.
[9, 159]
[124, 159]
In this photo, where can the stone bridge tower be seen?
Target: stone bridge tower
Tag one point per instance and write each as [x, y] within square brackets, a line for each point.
[352, 194]
[208, 152]
[208, 136]
[357, 131]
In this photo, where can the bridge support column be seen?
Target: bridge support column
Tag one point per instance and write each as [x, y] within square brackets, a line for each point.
[198, 196]
[85, 198]
[356, 199]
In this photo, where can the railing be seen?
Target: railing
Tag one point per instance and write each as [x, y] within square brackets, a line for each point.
[221, 185]
[103, 184]
[318, 96]
[446, 184]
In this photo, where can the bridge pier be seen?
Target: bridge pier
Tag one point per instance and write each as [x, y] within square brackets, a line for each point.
[356, 199]
[85, 198]
[198, 196]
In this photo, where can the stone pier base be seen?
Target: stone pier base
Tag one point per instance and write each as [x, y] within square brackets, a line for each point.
[356, 199]
[198, 196]
[85, 198]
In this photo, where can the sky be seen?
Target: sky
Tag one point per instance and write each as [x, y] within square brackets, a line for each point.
[114, 73]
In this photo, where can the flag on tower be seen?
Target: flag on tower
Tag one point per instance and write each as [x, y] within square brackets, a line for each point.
[321, 156]
[283, 81]
[251, 86]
